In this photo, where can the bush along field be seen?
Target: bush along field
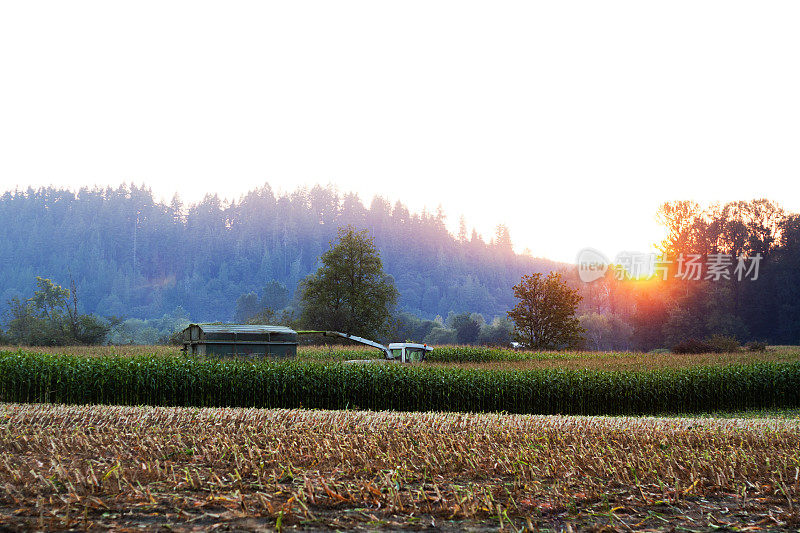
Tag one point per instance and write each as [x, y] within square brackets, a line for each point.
[184, 381]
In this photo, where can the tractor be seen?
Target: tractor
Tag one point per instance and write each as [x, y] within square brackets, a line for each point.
[401, 352]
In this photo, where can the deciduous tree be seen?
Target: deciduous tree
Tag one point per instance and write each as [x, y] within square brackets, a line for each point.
[544, 318]
[349, 292]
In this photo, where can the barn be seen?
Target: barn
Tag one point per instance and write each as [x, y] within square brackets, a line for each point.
[239, 340]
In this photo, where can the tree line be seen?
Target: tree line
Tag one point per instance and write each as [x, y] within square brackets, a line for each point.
[351, 293]
[150, 268]
[134, 257]
[666, 309]
[51, 318]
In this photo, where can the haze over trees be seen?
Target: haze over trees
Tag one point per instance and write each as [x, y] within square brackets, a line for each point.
[134, 257]
[667, 310]
[152, 267]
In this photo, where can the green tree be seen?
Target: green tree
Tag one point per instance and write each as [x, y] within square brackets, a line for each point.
[544, 317]
[51, 317]
[247, 306]
[275, 295]
[90, 329]
[606, 331]
[467, 327]
[50, 300]
[349, 292]
[498, 333]
[22, 323]
[440, 335]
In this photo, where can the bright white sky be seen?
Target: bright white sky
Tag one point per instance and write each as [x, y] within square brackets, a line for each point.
[568, 121]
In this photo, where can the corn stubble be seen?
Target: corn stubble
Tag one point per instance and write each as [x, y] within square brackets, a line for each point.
[87, 467]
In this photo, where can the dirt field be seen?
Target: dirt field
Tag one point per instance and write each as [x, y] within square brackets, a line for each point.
[133, 468]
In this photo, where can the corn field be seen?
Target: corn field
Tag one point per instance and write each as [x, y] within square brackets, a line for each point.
[201, 382]
[468, 356]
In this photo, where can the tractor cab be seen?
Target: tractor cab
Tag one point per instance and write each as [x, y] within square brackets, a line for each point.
[408, 352]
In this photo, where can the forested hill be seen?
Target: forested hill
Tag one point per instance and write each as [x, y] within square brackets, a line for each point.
[132, 256]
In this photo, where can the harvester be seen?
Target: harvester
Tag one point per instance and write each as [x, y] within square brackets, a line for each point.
[402, 352]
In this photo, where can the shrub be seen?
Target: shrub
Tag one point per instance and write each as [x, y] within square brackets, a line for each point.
[723, 343]
[756, 346]
[692, 346]
[714, 344]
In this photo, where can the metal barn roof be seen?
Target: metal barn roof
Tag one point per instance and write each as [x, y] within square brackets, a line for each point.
[242, 328]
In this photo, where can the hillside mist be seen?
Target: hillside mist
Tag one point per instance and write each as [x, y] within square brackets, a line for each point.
[133, 256]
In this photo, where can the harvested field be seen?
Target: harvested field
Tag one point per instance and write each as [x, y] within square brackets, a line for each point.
[86, 467]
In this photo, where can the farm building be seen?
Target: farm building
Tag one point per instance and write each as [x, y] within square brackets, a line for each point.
[239, 339]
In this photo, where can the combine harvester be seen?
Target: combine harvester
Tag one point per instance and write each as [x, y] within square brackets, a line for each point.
[401, 352]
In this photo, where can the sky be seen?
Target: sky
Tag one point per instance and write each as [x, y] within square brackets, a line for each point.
[570, 122]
